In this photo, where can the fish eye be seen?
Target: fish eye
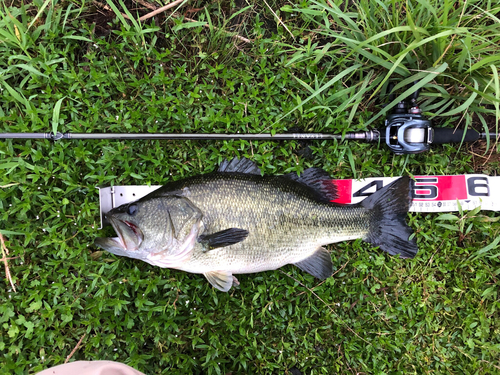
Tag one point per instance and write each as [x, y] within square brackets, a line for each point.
[132, 209]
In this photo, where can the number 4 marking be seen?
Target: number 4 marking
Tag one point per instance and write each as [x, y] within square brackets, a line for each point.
[363, 191]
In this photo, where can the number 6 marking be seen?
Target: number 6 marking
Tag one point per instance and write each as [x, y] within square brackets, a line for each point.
[478, 187]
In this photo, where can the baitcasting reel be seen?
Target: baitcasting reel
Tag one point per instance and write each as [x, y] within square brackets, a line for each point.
[409, 132]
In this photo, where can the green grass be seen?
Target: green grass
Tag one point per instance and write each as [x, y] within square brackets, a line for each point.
[68, 66]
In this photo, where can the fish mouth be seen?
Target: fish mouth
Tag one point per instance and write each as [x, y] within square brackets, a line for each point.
[129, 238]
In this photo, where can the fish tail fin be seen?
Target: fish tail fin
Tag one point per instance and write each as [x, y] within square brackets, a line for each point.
[388, 228]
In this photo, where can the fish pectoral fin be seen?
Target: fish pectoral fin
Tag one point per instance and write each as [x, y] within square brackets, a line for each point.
[222, 280]
[223, 238]
[319, 264]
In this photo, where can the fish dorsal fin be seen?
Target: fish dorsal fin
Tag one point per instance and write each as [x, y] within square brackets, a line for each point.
[319, 181]
[223, 238]
[319, 264]
[242, 165]
[222, 280]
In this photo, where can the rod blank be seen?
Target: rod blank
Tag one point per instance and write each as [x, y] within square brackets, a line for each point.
[368, 136]
[146, 136]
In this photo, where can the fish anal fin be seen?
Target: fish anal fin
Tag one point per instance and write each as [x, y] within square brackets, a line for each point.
[242, 165]
[319, 264]
[222, 280]
[223, 238]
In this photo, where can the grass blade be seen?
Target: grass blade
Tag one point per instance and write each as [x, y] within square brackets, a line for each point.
[11, 233]
[40, 11]
[496, 80]
[188, 25]
[55, 115]
[78, 37]
[118, 14]
[430, 75]
[463, 106]
[28, 68]
[320, 90]
[19, 97]
[482, 252]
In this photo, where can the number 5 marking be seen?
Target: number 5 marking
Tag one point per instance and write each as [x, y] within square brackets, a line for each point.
[424, 191]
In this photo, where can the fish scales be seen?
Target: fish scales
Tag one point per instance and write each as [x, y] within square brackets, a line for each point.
[284, 222]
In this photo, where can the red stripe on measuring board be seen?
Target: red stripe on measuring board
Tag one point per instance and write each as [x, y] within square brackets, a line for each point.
[344, 191]
[431, 193]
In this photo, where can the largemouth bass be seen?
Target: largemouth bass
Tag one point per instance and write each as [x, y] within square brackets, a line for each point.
[236, 221]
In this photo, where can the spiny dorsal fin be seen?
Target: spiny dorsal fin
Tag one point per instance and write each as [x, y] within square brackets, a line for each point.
[319, 180]
[222, 280]
[223, 238]
[242, 165]
[319, 264]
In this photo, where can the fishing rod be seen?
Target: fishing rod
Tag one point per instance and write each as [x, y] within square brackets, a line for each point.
[403, 136]
[406, 131]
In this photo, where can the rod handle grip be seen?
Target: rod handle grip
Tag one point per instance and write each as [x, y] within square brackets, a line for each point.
[450, 135]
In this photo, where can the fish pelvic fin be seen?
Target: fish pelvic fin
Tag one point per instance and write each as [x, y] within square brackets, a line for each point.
[223, 238]
[319, 264]
[222, 280]
[388, 228]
